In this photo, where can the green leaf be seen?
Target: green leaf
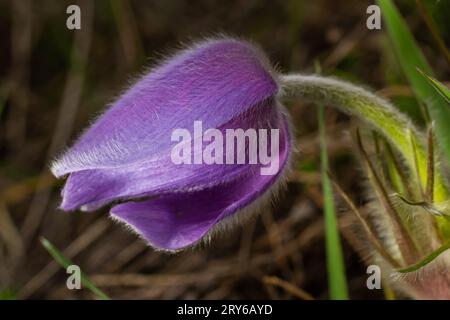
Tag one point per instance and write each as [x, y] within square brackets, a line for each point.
[411, 57]
[440, 88]
[335, 262]
[65, 262]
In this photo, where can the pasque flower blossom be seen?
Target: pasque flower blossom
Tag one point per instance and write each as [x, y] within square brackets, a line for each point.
[124, 158]
[174, 188]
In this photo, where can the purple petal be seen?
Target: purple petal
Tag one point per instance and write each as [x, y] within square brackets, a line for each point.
[94, 188]
[174, 221]
[214, 81]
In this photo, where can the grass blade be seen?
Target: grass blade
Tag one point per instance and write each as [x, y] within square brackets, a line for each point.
[335, 262]
[65, 262]
[440, 88]
[411, 57]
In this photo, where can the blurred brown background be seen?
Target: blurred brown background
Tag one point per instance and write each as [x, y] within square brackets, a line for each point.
[53, 81]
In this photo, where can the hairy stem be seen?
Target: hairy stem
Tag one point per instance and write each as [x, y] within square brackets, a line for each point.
[376, 112]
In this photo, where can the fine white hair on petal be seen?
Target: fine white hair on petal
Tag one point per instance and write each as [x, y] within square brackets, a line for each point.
[243, 215]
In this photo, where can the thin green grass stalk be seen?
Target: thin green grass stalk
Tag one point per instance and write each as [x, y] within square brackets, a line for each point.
[65, 262]
[440, 88]
[429, 258]
[337, 281]
[411, 57]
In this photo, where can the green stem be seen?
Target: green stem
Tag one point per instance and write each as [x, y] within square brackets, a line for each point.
[429, 258]
[376, 112]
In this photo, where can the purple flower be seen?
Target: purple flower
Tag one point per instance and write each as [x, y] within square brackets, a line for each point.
[126, 156]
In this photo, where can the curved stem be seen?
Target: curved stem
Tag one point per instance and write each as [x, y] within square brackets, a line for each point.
[376, 112]
[429, 258]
